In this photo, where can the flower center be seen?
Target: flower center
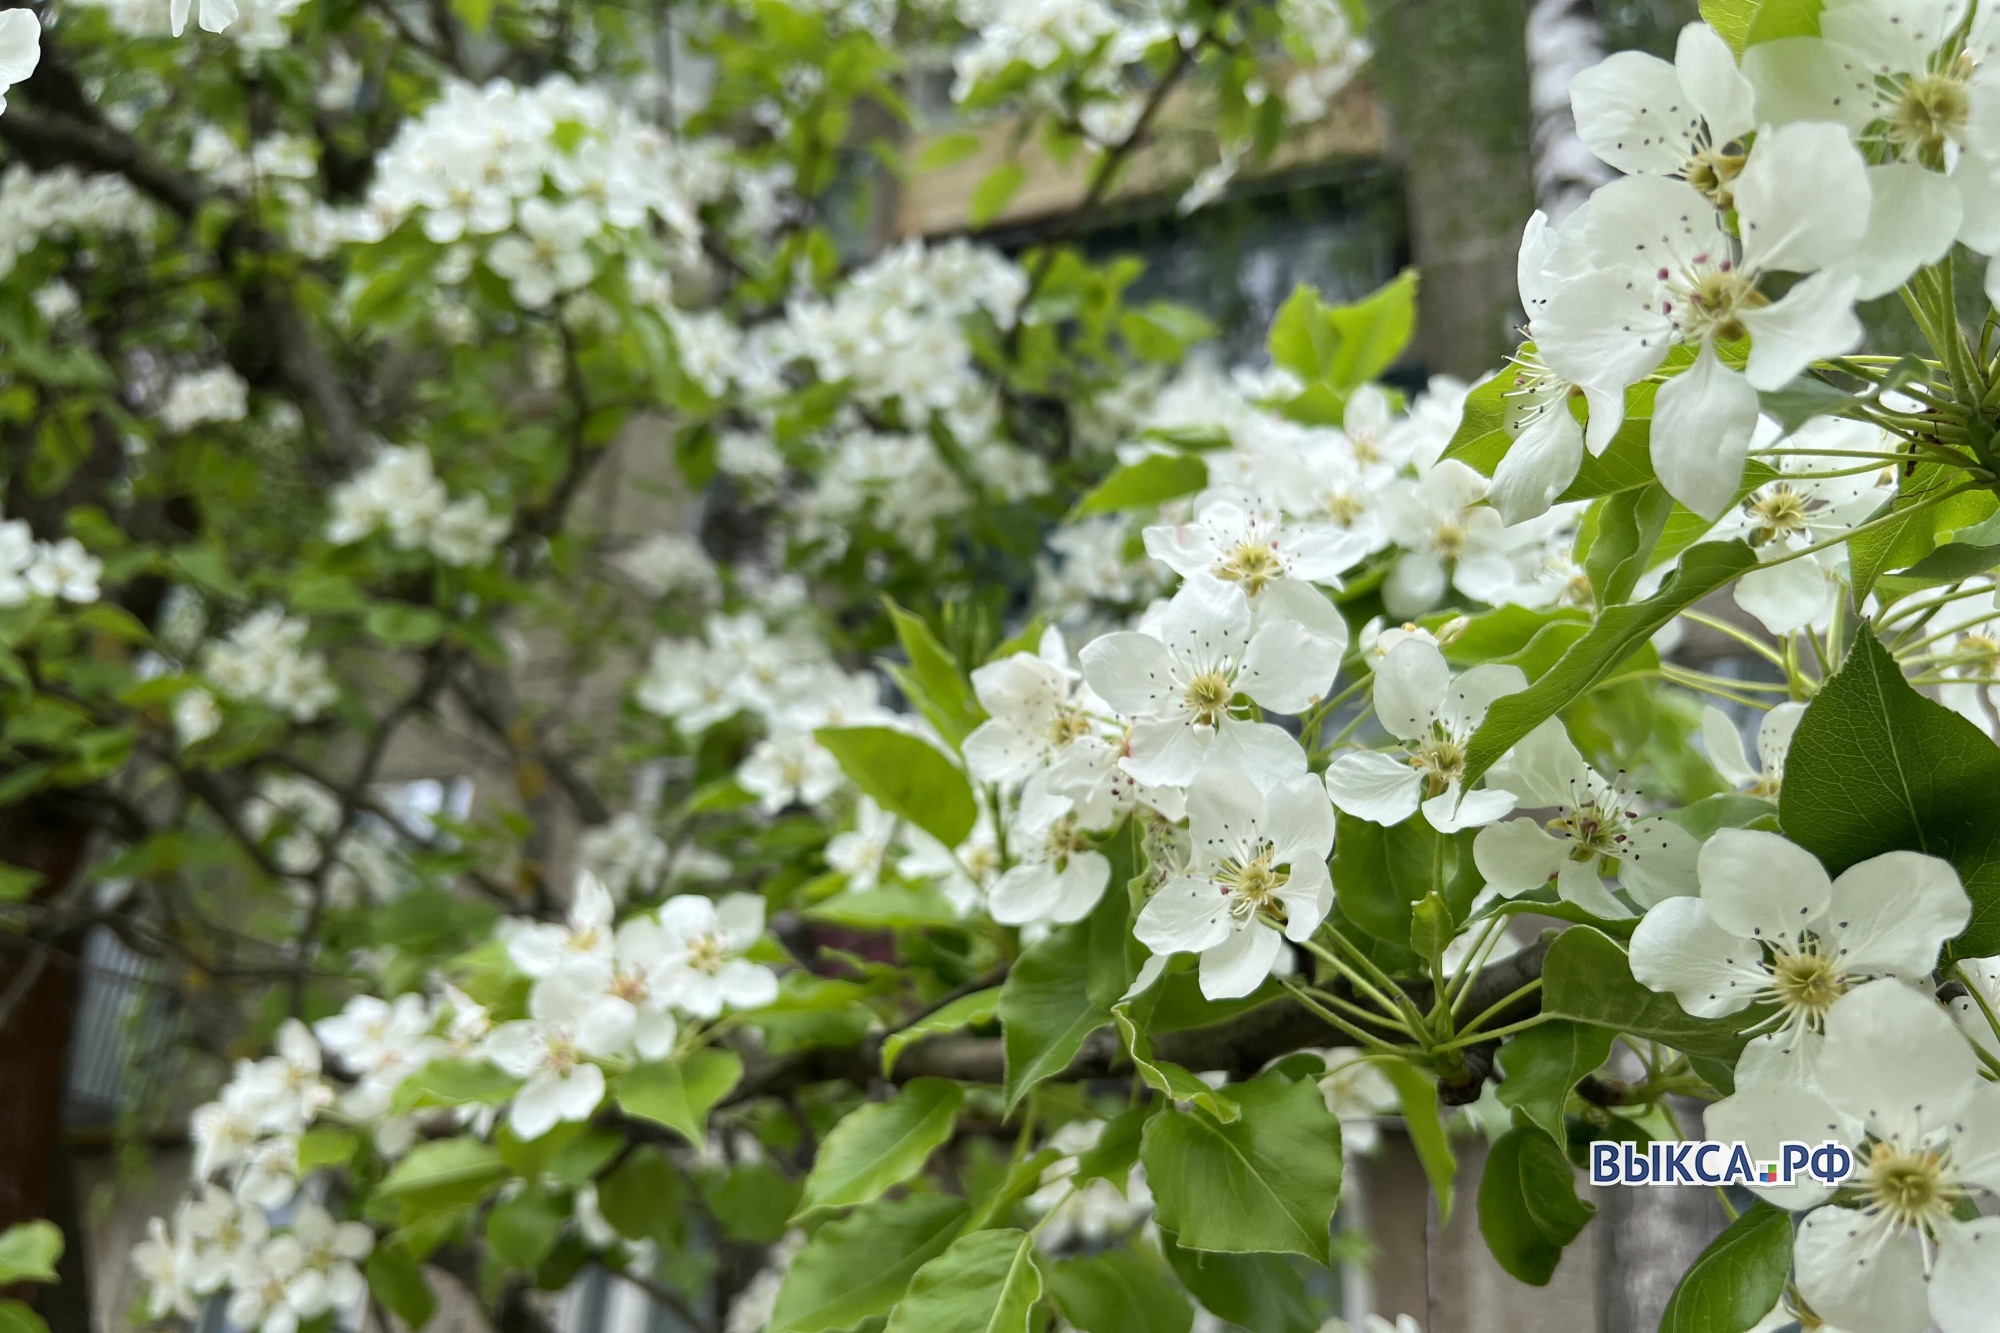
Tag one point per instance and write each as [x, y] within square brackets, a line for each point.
[1070, 724]
[1928, 112]
[1065, 840]
[1449, 538]
[1441, 759]
[1913, 1187]
[629, 986]
[1713, 171]
[1983, 651]
[705, 954]
[563, 1054]
[1779, 511]
[1343, 507]
[1595, 828]
[1716, 303]
[1254, 564]
[1252, 885]
[1806, 984]
[1208, 697]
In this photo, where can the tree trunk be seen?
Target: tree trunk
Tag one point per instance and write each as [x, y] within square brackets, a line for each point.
[1563, 40]
[41, 978]
[1454, 77]
[1647, 1239]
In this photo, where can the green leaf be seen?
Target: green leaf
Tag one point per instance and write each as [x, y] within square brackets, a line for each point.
[966, 1011]
[1542, 1065]
[397, 1280]
[28, 1253]
[1416, 1091]
[1254, 1291]
[1911, 533]
[454, 1083]
[16, 1317]
[522, 1230]
[1876, 767]
[639, 1198]
[1061, 990]
[882, 1144]
[1732, 19]
[1628, 528]
[1176, 1081]
[859, 1266]
[1266, 1182]
[323, 1145]
[1528, 1209]
[1151, 481]
[1587, 977]
[992, 195]
[908, 777]
[1784, 18]
[1618, 632]
[1117, 1147]
[680, 1093]
[948, 150]
[17, 883]
[1737, 1279]
[400, 625]
[444, 1174]
[1119, 1291]
[1378, 872]
[986, 1282]
[1345, 346]
[934, 682]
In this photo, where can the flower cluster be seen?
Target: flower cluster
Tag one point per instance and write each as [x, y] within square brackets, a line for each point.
[204, 397]
[401, 494]
[39, 206]
[30, 568]
[264, 660]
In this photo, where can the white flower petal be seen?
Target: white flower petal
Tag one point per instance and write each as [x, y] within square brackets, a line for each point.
[1518, 856]
[1892, 913]
[1761, 885]
[1239, 964]
[1375, 786]
[1761, 1116]
[1187, 915]
[1703, 419]
[1965, 1281]
[1679, 948]
[1853, 1279]
[1894, 1060]
[1410, 685]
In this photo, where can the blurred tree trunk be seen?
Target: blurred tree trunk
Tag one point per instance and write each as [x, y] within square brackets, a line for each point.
[1563, 39]
[39, 981]
[1454, 77]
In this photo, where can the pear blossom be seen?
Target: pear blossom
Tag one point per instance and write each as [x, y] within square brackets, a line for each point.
[1058, 875]
[546, 1051]
[1035, 712]
[20, 48]
[1548, 441]
[1177, 682]
[1357, 1091]
[1655, 267]
[1450, 539]
[541, 948]
[1900, 1084]
[622, 1000]
[705, 940]
[1771, 927]
[1687, 119]
[1254, 548]
[862, 852]
[1593, 832]
[1259, 853]
[1916, 84]
[1774, 741]
[1419, 703]
[212, 16]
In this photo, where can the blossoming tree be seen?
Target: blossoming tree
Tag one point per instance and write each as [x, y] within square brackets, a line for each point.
[1065, 793]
